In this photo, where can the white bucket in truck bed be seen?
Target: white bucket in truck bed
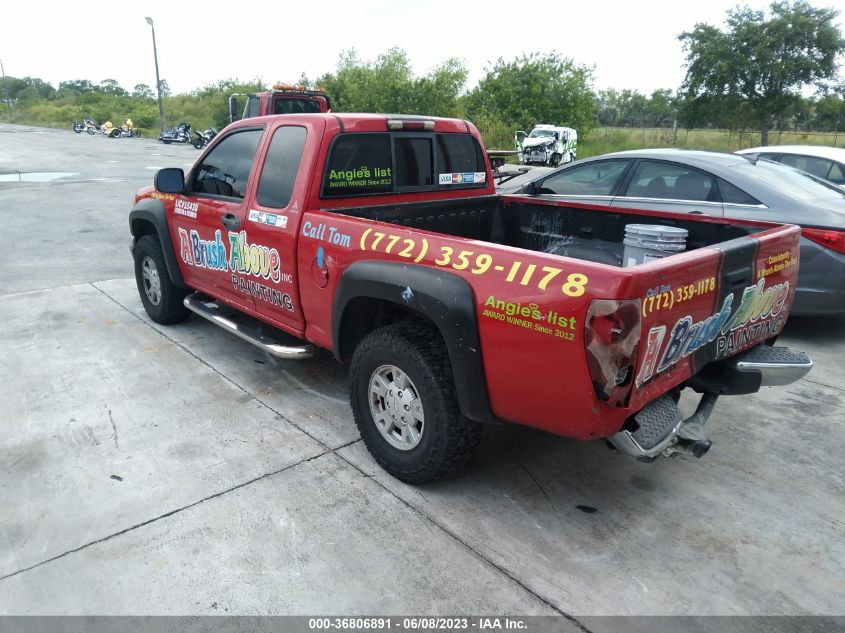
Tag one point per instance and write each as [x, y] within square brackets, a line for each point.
[646, 242]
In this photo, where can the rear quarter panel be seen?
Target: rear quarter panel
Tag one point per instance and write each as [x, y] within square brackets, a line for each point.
[531, 310]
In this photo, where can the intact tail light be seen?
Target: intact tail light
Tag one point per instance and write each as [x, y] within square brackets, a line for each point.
[834, 240]
[612, 334]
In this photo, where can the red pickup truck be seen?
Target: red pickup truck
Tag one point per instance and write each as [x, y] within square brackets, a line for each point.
[382, 239]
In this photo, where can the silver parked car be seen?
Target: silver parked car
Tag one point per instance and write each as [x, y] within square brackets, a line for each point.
[714, 183]
[818, 160]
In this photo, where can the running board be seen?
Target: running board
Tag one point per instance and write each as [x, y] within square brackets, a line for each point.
[266, 338]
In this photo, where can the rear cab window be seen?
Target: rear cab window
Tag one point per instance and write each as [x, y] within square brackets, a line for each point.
[373, 163]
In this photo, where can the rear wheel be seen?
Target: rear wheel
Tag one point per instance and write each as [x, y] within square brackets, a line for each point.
[404, 402]
[114, 133]
[162, 298]
[77, 129]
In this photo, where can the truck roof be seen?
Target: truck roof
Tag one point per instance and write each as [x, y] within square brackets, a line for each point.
[366, 122]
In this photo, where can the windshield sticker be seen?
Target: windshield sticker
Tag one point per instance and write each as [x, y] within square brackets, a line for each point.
[467, 178]
[361, 177]
[270, 219]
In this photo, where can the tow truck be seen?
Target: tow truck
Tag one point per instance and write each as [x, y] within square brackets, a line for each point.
[282, 99]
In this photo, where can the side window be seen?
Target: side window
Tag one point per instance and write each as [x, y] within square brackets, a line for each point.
[732, 194]
[654, 179]
[252, 108]
[812, 165]
[225, 170]
[359, 164]
[279, 172]
[593, 179]
[836, 174]
[413, 162]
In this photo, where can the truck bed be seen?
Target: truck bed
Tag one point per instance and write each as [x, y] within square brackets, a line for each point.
[570, 230]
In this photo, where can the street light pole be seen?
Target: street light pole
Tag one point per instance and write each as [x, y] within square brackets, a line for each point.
[6, 93]
[158, 81]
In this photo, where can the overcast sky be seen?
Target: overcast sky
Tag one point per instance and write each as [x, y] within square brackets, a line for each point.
[630, 44]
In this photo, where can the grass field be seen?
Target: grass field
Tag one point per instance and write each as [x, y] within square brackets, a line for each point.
[613, 139]
[603, 140]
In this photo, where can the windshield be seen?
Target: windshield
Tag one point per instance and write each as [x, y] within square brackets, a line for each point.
[541, 133]
[792, 182]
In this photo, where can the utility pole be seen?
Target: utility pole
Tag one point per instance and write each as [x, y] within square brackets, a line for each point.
[6, 93]
[158, 81]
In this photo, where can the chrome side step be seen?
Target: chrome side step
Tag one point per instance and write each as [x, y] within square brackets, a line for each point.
[776, 365]
[273, 341]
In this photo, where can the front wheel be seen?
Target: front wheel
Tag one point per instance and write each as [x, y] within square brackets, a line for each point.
[198, 143]
[77, 129]
[403, 399]
[114, 133]
[92, 131]
[555, 161]
[162, 298]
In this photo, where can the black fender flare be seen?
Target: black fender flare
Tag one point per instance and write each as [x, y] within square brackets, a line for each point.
[151, 211]
[442, 298]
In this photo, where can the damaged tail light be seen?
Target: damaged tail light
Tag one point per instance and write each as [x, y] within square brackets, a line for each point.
[612, 334]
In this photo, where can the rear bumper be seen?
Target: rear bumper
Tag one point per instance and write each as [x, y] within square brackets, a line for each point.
[660, 429]
[818, 301]
[821, 281]
[775, 365]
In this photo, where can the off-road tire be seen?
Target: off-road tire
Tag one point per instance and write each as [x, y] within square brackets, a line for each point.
[169, 308]
[448, 440]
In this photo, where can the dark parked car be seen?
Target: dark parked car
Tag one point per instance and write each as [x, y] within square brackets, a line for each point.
[730, 185]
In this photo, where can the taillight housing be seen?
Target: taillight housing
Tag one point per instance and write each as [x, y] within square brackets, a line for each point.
[612, 335]
[829, 238]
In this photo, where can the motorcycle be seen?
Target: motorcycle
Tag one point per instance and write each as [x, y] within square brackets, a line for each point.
[127, 129]
[204, 138]
[180, 134]
[86, 126]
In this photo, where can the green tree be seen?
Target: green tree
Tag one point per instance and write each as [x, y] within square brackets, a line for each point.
[111, 87]
[389, 85]
[535, 89]
[143, 91]
[76, 86]
[760, 63]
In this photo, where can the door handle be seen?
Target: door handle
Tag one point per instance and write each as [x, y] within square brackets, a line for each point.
[230, 221]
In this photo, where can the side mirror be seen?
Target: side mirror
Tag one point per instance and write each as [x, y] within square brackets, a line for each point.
[233, 109]
[529, 188]
[170, 180]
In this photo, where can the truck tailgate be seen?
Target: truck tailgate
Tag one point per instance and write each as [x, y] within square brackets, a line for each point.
[710, 304]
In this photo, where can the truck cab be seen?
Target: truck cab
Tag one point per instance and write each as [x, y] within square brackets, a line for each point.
[282, 99]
